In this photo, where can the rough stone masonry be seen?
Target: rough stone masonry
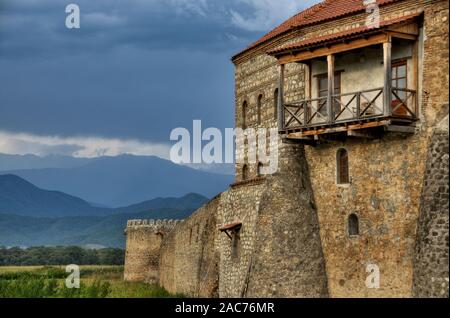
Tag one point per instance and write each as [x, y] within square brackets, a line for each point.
[288, 234]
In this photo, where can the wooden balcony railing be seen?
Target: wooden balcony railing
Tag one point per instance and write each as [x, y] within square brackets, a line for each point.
[348, 108]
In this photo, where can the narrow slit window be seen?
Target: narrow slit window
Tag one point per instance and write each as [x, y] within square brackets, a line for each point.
[235, 244]
[353, 225]
[260, 168]
[275, 103]
[259, 106]
[342, 167]
[244, 172]
[244, 115]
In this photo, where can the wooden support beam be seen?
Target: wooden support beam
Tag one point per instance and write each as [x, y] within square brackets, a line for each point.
[308, 78]
[402, 36]
[281, 117]
[312, 53]
[330, 113]
[411, 29]
[339, 129]
[387, 60]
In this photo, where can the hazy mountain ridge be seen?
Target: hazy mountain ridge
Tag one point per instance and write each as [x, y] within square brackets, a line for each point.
[25, 162]
[30, 215]
[125, 180]
[20, 197]
[91, 226]
[79, 230]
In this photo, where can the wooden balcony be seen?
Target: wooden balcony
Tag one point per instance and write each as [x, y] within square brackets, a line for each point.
[364, 110]
[357, 110]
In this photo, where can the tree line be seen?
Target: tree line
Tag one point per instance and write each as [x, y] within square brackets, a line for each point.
[60, 255]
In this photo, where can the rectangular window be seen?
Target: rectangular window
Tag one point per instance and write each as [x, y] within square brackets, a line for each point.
[399, 80]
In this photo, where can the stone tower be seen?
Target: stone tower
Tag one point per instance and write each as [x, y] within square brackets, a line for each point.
[144, 239]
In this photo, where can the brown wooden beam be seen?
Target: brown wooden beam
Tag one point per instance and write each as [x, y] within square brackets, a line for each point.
[331, 130]
[305, 54]
[387, 61]
[330, 61]
[402, 35]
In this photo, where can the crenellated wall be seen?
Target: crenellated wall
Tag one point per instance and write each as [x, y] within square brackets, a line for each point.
[144, 239]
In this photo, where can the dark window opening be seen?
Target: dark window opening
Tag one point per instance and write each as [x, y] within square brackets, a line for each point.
[275, 103]
[353, 225]
[244, 115]
[244, 172]
[342, 167]
[236, 244]
[260, 167]
[259, 106]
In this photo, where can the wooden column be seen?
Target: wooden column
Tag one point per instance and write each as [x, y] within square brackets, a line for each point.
[281, 98]
[387, 61]
[308, 83]
[308, 91]
[330, 60]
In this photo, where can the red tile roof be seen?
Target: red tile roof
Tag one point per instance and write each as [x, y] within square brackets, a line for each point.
[324, 11]
[343, 34]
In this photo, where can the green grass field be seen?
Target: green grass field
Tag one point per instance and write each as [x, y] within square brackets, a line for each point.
[96, 282]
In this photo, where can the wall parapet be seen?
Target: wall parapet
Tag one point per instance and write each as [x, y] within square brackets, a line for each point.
[157, 225]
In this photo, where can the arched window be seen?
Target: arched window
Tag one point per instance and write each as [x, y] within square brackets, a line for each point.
[353, 225]
[342, 167]
[275, 103]
[260, 167]
[259, 107]
[244, 172]
[244, 115]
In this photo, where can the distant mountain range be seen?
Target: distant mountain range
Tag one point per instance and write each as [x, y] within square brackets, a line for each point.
[106, 231]
[31, 216]
[114, 181]
[19, 162]
[20, 197]
[58, 200]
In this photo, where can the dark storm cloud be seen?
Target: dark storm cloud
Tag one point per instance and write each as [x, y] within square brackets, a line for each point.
[135, 70]
[34, 28]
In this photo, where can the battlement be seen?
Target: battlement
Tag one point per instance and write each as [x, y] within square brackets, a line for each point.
[155, 225]
[144, 239]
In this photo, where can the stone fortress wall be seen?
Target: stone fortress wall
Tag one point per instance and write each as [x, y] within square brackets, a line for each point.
[293, 237]
[188, 260]
[144, 239]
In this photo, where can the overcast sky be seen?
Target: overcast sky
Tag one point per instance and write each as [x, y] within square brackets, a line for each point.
[135, 70]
